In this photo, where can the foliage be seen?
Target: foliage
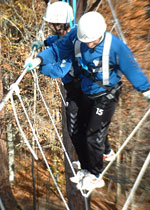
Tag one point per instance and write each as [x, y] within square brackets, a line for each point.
[20, 22]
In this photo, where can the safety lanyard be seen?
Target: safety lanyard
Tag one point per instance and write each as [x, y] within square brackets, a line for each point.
[74, 12]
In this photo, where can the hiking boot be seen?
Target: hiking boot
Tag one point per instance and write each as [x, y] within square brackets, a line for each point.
[110, 156]
[89, 182]
[80, 174]
[76, 165]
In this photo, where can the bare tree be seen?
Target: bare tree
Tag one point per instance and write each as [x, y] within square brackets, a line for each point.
[5, 190]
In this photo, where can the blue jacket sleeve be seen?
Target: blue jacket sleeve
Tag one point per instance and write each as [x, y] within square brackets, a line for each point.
[56, 70]
[52, 66]
[48, 56]
[50, 40]
[130, 68]
[57, 59]
[61, 49]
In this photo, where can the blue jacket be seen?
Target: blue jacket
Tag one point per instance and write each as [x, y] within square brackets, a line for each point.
[121, 60]
[50, 40]
[54, 65]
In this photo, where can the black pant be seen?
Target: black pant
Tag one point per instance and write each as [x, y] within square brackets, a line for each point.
[73, 99]
[90, 139]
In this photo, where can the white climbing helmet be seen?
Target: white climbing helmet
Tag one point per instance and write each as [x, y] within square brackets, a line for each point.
[59, 12]
[91, 26]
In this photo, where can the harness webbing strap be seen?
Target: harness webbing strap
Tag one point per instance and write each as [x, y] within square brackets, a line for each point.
[105, 58]
[77, 49]
[74, 10]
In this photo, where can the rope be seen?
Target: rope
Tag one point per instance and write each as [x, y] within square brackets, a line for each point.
[1, 205]
[113, 27]
[37, 141]
[50, 116]
[116, 21]
[86, 203]
[61, 95]
[146, 163]
[23, 134]
[98, 5]
[15, 88]
[123, 145]
[12, 89]
[69, 161]
[116, 24]
[33, 131]
[74, 10]
[40, 33]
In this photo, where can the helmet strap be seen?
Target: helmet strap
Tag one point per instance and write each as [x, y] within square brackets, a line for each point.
[102, 38]
[63, 27]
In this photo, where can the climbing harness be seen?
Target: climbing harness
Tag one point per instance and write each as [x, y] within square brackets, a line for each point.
[110, 91]
[105, 60]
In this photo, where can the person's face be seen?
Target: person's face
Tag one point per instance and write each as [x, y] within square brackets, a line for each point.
[57, 28]
[94, 43]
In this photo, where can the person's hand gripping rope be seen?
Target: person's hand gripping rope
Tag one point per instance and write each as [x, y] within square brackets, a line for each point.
[31, 63]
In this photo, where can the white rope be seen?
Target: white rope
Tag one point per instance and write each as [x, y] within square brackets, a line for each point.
[7, 97]
[1, 205]
[60, 140]
[67, 156]
[117, 25]
[123, 145]
[112, 27]
[86, 203]
[41, 34]
[98, 5]
[116, 21]
[50, 116]
[16, 89]
[65, 104]
[137, 182]
[22, 132]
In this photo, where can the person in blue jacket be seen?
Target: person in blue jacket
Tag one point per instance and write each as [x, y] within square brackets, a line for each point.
[59, 16]
[103, 59]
